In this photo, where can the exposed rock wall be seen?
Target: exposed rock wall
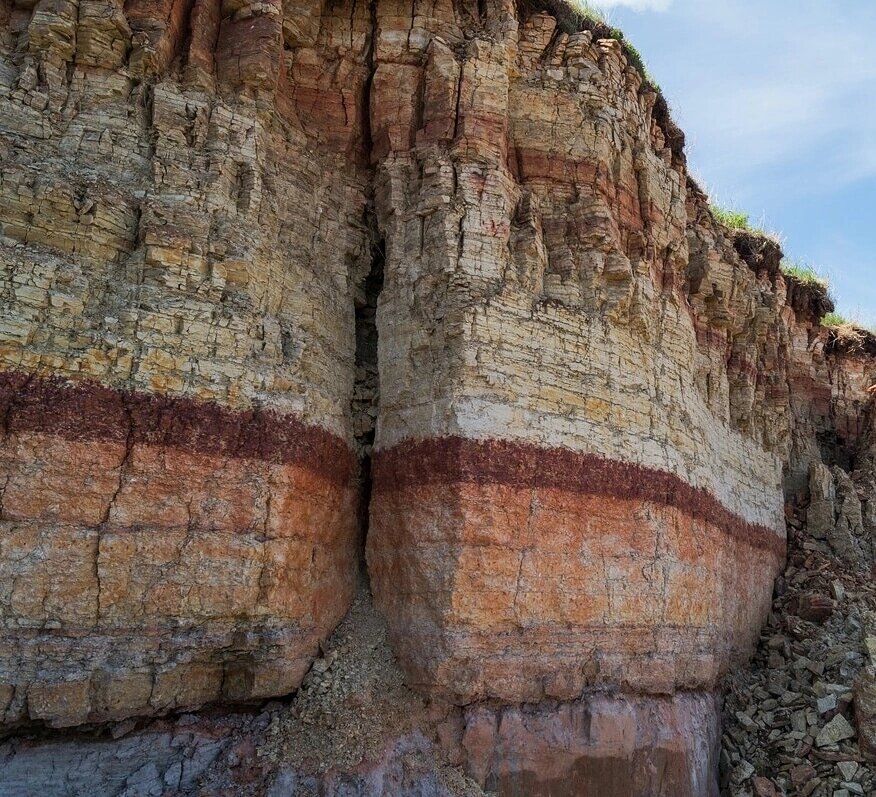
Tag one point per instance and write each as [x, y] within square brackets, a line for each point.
[237, 236]
[355, 728]
[551, 486]
[182, 240]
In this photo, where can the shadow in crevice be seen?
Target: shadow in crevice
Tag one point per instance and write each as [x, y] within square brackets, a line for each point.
[366, 387]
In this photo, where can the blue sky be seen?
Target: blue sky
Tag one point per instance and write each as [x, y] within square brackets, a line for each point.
[778, 100]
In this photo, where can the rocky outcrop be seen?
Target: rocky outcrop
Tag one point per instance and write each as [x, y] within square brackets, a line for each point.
[354, 727]
[271, 269]
[178, 466]
[553, 491]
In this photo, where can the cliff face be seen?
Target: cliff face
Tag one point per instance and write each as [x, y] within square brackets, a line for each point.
[179, 497]
[271, 268]
[551, 484]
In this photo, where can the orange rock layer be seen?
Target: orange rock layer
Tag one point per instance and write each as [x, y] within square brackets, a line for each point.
[159, 553]
[518, 574]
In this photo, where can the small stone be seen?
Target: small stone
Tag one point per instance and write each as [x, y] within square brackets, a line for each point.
[763, 787]
[837, 590]
[816, 667]
[810, 787]
[870, 645]
[802, 774]
[798, 721]
[852, 788]
[815, 608]
[835, 731]
[776, 660]
[822, 689]
[742, 772]
[847, 769]
[825, 704]
[778, 683]
[745, 721]
[841, 793]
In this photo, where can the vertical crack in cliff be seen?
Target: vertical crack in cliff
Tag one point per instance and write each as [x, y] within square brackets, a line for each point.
[369, 283]
[366, 387]
[124, 467]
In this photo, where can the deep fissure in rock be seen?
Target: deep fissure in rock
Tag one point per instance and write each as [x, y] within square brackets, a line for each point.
[366, 387]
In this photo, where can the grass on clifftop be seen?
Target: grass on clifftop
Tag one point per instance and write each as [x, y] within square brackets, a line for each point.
[804, 273]
[576, 15]
[737, 220]
[734, 219]
[840, 322]
[835, 320]
[847, 332]
[587, 11]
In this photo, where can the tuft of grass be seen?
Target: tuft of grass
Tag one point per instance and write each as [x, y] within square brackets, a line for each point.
[587, 11]
[737, 220]
[635, 58]
[845, 325]
[847, 333]
[575, 15]
[804, 273]
[835, 320]
[734, 219]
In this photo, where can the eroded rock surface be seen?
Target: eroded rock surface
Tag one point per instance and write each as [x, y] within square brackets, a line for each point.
[355, 728]
[249, 247]
[181, 246]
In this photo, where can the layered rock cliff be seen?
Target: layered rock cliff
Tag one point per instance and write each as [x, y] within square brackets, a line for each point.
[419, 292]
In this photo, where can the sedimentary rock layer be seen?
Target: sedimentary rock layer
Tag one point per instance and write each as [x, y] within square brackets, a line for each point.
[161, 553]
[605, 745]
[519, 573]
[611, 747]
[560, 480]
[183, 241]
[588, 393]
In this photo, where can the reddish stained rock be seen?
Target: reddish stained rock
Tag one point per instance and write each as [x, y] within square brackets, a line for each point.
[815, 608]
[523, 465]
[516, 593]
[802, 774]
[163, 553]
[611, 746]
[763, 787]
